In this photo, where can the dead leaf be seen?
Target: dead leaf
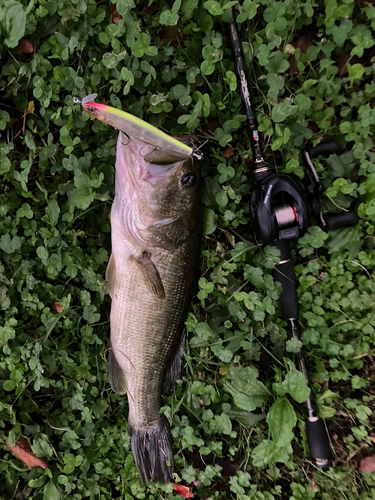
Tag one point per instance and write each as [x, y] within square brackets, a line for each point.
[150, 9]
[368, 464]
[228, 467]
[173, 33]
[12, 122]
[211, 127]
[249, 163]
[313, 126]
[22, 495]
[115, 16]
[354, 172]
[182, 490]
[223, 370]
[221, 487]
[25, 46]
[228, 153]
[30, 108]
[57, 307]
[303, 43]
[23, 451]
[199, 461]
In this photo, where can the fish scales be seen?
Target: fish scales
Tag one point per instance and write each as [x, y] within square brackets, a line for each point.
[150, 328]
[156, 234]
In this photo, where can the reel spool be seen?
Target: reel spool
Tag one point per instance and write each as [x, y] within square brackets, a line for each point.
[286, 216]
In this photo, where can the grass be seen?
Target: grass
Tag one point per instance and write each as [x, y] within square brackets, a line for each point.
[171, 64]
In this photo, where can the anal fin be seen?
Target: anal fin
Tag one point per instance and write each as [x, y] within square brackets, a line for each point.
[150, 274]
[173, 372]
[115, 374]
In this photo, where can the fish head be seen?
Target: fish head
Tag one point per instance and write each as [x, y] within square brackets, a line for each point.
[158, 192]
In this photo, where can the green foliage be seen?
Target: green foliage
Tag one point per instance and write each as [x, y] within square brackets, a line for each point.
[12, 22]
[248, 393]
[171, 64]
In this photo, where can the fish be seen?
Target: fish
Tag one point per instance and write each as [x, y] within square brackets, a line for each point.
[156, 232]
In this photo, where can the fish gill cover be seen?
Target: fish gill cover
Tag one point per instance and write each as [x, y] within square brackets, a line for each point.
[235, 414]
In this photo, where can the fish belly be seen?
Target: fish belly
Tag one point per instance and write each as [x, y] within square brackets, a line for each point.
[146, 333]
[146, 330]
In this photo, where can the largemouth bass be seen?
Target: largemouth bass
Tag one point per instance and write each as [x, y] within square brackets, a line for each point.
[156, 226]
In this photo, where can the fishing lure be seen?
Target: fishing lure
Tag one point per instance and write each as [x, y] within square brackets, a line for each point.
[159, 142]
[134, 127]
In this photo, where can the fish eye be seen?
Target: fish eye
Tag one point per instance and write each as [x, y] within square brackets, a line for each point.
[188, 180]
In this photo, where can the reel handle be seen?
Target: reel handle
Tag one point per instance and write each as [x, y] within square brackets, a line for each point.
[326, 148]
[342, 220]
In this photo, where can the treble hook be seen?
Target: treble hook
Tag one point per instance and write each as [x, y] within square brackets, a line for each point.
[126, 135]
[147, 154]
[85, 100]
[197, 155]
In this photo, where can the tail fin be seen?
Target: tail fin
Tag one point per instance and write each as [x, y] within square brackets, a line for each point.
[151, 447]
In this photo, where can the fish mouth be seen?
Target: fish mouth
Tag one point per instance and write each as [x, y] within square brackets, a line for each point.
[143, 162]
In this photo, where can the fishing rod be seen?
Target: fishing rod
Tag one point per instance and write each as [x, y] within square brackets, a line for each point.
[261, 168]
[281, 207]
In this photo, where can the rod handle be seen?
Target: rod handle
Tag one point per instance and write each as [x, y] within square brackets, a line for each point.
[318, 443]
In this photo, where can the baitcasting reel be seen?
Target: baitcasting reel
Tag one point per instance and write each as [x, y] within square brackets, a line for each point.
[282, 204]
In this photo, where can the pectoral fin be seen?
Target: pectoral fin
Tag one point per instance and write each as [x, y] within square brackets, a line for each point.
[110, 275]
[150, 274]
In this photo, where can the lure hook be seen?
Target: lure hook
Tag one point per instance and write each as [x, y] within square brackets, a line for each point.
[85, 100]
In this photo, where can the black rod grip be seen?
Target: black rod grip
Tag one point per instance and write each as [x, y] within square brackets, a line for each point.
[342, 220]
[326, 148]
[284, 274]
[318, 442]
